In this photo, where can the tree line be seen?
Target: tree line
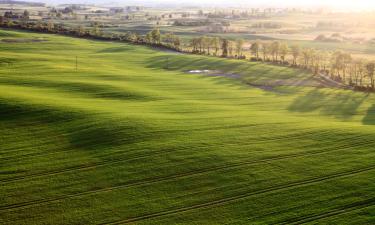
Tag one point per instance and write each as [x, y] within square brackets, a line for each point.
[339, 66]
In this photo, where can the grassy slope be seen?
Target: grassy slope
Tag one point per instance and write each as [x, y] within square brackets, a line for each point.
[123, 138]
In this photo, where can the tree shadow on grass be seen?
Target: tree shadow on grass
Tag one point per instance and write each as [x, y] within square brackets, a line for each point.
[186, 63]
[369, 119]
[340, 104]
[83, 88]
[250, 71]
[117, 49]
[82, 130]
[236, 73]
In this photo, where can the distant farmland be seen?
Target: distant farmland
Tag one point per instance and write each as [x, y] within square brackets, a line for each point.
[96, 132]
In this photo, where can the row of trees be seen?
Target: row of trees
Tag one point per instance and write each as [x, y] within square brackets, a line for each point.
[340, 66]
[170, 40]
[218, 47]
[95, 31]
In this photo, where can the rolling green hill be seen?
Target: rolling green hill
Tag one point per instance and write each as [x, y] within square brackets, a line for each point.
[132, 137]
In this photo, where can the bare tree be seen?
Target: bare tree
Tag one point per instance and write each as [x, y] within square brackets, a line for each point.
[306, 54]
[224, 47]
[239, 47]
[370, 67]
[255, 49]
[231, 45]
[284, 50]
[296, 52]
[156, 36]
[149, 38]
[266, 49]
[206, 41]
[275, 49]
[215, 44]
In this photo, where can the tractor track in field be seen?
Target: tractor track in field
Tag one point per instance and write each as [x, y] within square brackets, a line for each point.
[119, 160]
[338, 211]
[227, 200]
[284, 137]
[256, 141]
[259, 140]
[18, 149]
[182, 175]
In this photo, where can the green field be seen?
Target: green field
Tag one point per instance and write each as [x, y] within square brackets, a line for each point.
[129, 138]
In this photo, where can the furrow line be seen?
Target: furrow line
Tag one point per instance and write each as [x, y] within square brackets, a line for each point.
[345, 209]
[111, 162]
[161, 179]
[224, 201]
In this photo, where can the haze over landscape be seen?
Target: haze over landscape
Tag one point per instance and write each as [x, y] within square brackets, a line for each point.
[334, 4]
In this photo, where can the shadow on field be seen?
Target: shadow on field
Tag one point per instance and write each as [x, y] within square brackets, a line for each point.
[185, 63]
[83, 88]
[341, 104]
[369, 119]
[117, 49]
[105, 134]
[82, 131]
[243, 74]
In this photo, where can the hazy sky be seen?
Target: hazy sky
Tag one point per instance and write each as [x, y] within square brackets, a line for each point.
[335, 3]
[341, 4]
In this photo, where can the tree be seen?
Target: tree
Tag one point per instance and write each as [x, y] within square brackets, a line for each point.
[194, 44]
[359, 69]
[284, 49]
[239, 47]
[312, 58]
[318, 58]
[132, 37]
[149, 38]
[96, 30]
[370, 67]
[340, 62]
[306, 54]
[81, 31]
[201, 44]
[336, 63]
[325, 57]
[206, 42]
[296, 52]
[347, 59]
[215, 44]
[156, 36]
[231, 48]
[39, 26]
[275, 49]
[169, 39]
[50, 26]
[265, 50]
[255, 49]
[10, 23]
[26, 15]
[177, 43]
[224, 47]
